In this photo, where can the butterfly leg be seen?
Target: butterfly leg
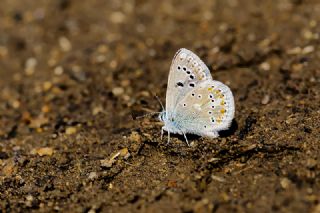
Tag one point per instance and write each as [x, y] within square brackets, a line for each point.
[185, 137]
[168, 137]
[161, 133]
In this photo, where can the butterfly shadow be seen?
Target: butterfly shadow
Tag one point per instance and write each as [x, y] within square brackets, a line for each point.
[224, 133]
[190, 137]
[230, 131]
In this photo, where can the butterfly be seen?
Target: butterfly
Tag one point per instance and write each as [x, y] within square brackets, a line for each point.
[195, 103]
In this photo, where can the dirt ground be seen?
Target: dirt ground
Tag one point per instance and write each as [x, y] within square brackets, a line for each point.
[75, 74]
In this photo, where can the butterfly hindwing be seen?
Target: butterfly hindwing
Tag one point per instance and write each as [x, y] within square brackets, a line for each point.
[186, 72]
[206, 109]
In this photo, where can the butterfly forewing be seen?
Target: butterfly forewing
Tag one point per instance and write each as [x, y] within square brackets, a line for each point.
[186, 72]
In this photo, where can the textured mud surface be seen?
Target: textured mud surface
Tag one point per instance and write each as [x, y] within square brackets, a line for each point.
[73, 75]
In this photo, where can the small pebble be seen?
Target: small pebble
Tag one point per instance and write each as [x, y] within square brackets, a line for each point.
[100, 59]
[217, 178]
[124, 153]
[45, 109]
[9, 168]
[38, 122]
[117, 17]
[307, 49]
[92, 210]
[172, 184]
[294, 51]
[117, 91]
[47, 85]
[92, 175]
[42, 151]
[30, 65]
[125, 83]
[285, 182]
[15, 104]
[308, 35]
[265, 66]
[58, 70]
[29, 199]
[113, 64]
[65, 44]
[102, 48]
[96, 110]
[109, 162]
[71, 130]
[297, 67]
[265, 100]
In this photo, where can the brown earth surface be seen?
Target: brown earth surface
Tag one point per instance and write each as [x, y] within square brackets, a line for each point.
[74, 74]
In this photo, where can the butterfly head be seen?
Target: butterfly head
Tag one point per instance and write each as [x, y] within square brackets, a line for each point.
[163, 116]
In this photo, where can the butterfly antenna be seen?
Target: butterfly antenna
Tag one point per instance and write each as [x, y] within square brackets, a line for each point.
[159, 101]
[146, 115]
[151, 113]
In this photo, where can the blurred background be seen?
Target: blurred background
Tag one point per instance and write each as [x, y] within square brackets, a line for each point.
[73, 75]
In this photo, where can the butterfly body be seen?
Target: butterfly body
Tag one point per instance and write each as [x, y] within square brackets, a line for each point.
[195, 103]
[170, 125]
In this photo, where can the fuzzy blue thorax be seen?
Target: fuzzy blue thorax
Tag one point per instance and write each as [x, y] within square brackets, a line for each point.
[169, 124]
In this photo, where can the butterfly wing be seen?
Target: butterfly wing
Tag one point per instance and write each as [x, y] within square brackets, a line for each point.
[206, 109]
[186, 72]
